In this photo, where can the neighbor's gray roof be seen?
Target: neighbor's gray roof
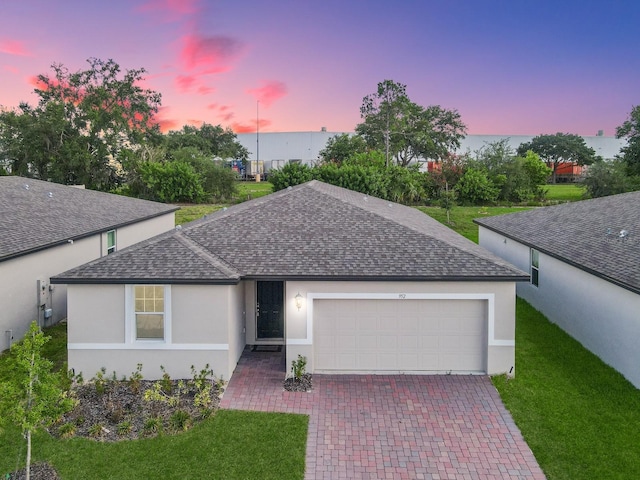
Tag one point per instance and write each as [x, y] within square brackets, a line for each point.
[37, 215]
[312, 231]
[584, 234]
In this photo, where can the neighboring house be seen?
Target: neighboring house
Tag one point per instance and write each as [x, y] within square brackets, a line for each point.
[47, 228]
[354, 283]
[584, 259]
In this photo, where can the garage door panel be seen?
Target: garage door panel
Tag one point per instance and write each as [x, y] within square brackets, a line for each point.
[345, 342]
[368, 342]
[408, 361]
[400, 335]
[408, 342]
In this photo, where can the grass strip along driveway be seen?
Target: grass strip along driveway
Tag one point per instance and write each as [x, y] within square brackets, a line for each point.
[579, 416]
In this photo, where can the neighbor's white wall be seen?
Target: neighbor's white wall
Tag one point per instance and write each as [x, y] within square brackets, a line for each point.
[19, 276]
[200, 332]
[136, 232]
[603, 317]
[500, 359]
[18, 285]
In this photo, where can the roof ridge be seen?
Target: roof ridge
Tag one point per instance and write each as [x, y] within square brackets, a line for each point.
[214, 260]
[453, 240]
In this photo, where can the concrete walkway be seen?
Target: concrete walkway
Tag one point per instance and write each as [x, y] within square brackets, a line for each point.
[391, 426]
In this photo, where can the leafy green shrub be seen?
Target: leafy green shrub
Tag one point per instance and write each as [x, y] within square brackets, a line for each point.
[124, 428]
[96, 430]
[67, 430]
[299, 367]
[180, 421]
[170, 182]
[475, 188]
[134, 379]
[290, 175]
[152, 425]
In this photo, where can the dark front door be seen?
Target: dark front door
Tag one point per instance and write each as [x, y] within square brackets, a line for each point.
[270, 310]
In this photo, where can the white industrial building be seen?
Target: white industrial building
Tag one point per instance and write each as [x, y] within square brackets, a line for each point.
[276, 149]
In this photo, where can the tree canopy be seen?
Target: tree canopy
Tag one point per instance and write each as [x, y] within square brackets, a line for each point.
[558, 149]
[341, 147]
[210, 140]
[630, 130]
[83, 123]
[406, 131]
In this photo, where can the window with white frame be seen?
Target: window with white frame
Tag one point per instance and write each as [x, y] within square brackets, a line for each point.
[111, 241]
[149, 312]
[535, 267]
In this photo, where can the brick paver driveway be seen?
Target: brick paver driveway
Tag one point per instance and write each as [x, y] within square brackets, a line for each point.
[391, 426]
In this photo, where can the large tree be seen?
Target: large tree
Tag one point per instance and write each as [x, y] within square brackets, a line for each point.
[558, 149]
[82, 125]
[340, 148]
[211, 140]
[630, 130]
[406, 131]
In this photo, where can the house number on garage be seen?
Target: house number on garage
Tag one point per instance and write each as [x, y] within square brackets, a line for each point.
[402, 296]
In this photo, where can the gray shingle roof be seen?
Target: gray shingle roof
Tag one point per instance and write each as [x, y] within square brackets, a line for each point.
[47, 214]
[312, 231]
[585, 234]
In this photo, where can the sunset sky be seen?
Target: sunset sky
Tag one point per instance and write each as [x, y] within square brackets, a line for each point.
[509, 66]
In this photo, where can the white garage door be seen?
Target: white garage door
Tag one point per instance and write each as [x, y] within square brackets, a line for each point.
[437, 336]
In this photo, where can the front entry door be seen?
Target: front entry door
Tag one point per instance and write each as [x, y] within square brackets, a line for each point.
[270, 310]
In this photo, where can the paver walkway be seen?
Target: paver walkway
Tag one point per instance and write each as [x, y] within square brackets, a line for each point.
[391, 426]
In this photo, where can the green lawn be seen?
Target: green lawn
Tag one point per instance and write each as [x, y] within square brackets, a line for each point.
[246, 191]
[187, 213]
[579, 416]
[565, 192]
[462, 217]
[249, 190]
[230, 445]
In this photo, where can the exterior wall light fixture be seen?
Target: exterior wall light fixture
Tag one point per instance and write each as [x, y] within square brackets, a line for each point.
[298, 298]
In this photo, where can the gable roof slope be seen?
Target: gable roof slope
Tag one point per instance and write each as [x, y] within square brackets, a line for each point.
[37, 215]
[586, 234]
[317, 231]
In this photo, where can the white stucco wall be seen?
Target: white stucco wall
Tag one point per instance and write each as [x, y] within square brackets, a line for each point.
[136, 232]
[19, 301]
[205, 325]
[602, 316]
[499, 295]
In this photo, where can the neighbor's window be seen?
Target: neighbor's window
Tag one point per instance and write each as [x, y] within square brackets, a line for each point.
[149, 312]
[535, 266]
[111, 241]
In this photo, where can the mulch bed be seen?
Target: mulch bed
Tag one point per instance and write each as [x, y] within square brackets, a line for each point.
[116, 410]
[38, 471]
[302, 384]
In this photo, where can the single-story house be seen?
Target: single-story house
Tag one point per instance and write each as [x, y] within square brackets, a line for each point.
[584, 260]
[353, 283]
[47, 228]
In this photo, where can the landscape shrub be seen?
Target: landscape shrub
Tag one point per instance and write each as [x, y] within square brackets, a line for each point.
[475, 188]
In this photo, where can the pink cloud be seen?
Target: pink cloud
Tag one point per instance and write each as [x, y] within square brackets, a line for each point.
[165, 123]
[185, 82]
[205, 90]
[212, 106]
[209, 54]
[14, 47]
[249, 127]
[171, 10]
[226, 117]
[269, 92]
[11, 69]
